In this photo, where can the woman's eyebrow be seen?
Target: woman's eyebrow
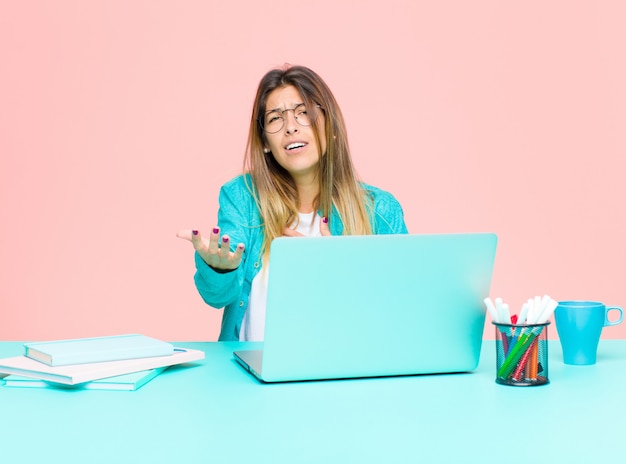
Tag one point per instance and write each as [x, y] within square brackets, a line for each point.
[280, 110]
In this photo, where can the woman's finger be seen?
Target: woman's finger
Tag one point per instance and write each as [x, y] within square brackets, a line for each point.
[214, 241]
[324, 230]
[238, 254]
[224, 251]
[288, 232]
[196, 239]
[185, 234]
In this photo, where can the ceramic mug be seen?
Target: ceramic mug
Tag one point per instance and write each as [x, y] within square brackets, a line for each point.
[579, 325]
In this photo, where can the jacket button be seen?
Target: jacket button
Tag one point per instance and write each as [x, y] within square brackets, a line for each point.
[241, 303]
[256, 265]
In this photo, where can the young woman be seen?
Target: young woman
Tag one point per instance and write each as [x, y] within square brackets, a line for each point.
[299, 181]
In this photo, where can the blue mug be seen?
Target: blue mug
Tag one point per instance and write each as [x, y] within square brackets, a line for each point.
[579, 325]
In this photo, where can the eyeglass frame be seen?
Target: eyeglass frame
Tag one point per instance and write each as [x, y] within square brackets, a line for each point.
[282, 113]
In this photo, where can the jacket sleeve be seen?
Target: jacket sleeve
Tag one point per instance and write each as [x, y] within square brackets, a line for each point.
[388, 214]
[234, 219]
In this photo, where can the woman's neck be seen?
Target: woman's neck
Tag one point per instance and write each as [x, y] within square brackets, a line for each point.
[308, 191]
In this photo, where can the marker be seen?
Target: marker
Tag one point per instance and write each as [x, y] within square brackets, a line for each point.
[523, 314]
[515, 332]
[537, 313]
[517, 374]
[530, 318]
[533, 362]
[491, 309]
[548, 310]
[522, 344]
[502, 310]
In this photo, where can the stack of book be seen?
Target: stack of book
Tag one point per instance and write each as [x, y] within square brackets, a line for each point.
[121, 362]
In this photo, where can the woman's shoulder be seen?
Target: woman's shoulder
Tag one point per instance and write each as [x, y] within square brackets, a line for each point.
[238, 193]
[378, 195]
[240, 185]
[388, 215]
[238, 182]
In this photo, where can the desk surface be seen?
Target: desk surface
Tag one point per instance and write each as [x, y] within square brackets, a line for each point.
[214, 411]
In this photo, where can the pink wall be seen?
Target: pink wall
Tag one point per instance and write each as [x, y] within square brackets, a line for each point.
[119, 120]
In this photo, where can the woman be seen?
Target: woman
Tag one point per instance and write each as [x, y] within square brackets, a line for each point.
[299, 181]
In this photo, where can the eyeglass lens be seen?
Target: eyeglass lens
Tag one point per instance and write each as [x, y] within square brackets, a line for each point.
[275, 120]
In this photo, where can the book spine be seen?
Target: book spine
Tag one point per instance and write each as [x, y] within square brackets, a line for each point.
[104, 356]
[85, 351]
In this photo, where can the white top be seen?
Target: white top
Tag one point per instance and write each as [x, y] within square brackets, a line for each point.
[253, 326]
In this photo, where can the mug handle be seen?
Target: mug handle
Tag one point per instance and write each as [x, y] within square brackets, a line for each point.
[621, 315]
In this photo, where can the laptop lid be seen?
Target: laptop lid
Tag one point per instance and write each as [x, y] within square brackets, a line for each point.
[375, 305]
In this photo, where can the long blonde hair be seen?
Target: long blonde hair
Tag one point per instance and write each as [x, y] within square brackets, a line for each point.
[273, 187]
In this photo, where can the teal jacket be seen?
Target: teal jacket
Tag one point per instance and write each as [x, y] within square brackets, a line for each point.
[239, 218]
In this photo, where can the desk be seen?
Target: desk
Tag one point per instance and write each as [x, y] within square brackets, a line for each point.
[214, 411]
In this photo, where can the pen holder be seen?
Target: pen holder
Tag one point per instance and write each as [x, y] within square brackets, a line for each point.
[522, 354]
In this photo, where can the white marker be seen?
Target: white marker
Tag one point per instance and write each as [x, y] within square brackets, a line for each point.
[523, 314]
[506, 313]
[500, 310]
[547, 312]
[491, 309]
[530, 317]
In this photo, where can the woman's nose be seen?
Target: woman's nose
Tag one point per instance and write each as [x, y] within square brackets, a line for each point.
[291, 125]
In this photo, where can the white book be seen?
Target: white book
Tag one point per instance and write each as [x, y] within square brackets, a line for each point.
[128, 382]
[78, 373]
[96, 349]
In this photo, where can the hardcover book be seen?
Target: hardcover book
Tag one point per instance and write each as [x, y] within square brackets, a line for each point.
[78, 373]
[99, 349]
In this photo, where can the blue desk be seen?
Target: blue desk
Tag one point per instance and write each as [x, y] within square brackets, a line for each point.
[214, 411]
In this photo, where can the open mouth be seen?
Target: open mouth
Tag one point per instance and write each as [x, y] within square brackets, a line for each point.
[295, 145]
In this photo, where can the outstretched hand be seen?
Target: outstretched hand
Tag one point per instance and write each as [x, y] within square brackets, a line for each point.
[215, 252]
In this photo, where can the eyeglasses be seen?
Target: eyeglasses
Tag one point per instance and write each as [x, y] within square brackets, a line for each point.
[274, 120]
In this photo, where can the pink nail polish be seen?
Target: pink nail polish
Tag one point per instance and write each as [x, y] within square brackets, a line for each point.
[325, 220]
[216, 230]
[195, 232]
[225, 239]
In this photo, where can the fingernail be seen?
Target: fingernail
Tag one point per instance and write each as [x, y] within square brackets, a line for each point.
[216, 230]
[195, 232]
[325, 220]
[225, 239]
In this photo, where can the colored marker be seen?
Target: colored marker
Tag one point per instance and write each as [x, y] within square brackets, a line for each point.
[522, 344]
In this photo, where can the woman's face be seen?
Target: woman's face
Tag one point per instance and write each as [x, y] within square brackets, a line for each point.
[293, 146]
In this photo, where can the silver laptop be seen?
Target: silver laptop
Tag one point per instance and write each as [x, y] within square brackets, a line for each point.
[376, 305]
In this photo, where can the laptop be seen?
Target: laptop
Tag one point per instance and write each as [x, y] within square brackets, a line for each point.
[376, 305]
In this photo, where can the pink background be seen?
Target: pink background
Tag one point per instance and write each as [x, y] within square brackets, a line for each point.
[119, 120]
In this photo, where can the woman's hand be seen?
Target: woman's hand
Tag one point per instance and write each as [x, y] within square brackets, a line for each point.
[288, 232]
[215, 252]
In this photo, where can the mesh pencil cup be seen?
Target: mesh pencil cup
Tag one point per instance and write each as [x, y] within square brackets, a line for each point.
[522, 354]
